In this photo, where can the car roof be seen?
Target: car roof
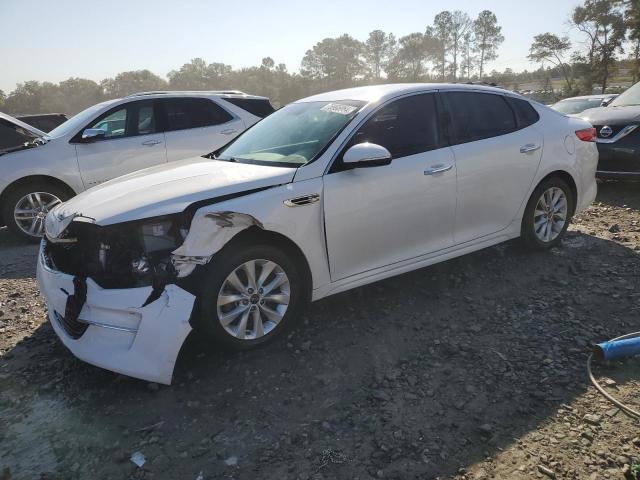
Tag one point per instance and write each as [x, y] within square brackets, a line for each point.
[384, 92]
[589, 97]
[195, 93]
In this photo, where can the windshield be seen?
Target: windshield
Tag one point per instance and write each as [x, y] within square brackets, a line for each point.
[13, 136]
[77, 121]
[576, 106]
[630, 97]
[294, 135]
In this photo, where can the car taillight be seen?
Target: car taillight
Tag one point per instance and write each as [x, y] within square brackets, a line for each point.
[587, 134]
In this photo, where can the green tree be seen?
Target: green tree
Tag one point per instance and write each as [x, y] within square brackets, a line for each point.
[335, 61]
[441, 32]
[602, 23]
[410, 61]
[548, 47]
[198, 75]
[488, 37]
[460, 31]
[378, 50]
[632, 20]
[31, 97]
[468, 56]
[134, 81]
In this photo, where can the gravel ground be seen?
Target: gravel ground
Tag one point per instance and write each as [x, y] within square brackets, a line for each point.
[470, 369]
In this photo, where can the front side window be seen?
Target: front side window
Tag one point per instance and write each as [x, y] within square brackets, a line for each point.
[294, 135]
[475, 116]
[114, 124]
[404, 127]
[136, 118]
[185, 113]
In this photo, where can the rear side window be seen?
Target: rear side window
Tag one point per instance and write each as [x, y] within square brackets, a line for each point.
[184, 113]
[525, 113]
[404, 127]
[260, 107]
[476, 116]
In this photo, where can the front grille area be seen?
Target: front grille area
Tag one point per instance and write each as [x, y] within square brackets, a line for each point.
[615, 129]
[74, 328]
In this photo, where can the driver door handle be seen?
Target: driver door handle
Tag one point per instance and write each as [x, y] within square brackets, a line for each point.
[151, 143]
[440, 168]
[228, 131]
[529, 147]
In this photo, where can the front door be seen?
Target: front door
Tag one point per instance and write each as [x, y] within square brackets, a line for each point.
[382, 215]
[131, 142]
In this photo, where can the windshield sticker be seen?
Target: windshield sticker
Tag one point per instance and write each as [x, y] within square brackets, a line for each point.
[338, 108]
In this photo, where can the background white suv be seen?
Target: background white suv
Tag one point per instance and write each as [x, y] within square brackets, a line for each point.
[110, 139]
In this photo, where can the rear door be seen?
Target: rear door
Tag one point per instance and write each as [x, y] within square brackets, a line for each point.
[132, 141]
[196, 126]
[497, 156]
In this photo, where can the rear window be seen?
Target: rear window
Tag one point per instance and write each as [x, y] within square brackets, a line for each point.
[525, 113]
[260, 107]
[184, 113]
[476, 116]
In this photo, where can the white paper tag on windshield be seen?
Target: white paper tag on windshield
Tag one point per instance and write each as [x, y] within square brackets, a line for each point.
[338, 108]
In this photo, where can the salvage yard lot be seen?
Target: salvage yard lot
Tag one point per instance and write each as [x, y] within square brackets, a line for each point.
[473, 368]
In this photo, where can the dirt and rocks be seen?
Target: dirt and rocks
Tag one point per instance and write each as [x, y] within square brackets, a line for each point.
[470, 369]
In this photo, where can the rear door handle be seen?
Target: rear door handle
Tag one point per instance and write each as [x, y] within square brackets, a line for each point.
[440, 168]
[228, 131]
[529, 147]
[151, 143]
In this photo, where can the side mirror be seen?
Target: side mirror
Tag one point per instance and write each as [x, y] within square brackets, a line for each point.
[91, 134]
[364, 155]
[606, 102]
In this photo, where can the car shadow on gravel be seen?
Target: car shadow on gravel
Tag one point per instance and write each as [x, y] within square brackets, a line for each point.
[18, 259]
[620, 194]
[418, 376]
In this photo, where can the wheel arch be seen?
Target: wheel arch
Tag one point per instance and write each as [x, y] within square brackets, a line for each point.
[568, 179]
[33, 179]
[256, 234]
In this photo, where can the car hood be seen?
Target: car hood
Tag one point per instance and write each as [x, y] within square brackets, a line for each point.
[612, 115]
[168, 188]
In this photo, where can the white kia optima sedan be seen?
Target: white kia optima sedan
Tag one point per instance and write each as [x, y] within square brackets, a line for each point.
[327, 194]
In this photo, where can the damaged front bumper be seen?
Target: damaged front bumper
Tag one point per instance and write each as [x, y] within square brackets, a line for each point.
[113, 329]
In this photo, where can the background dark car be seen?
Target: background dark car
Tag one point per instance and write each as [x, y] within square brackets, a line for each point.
[618, 129]
[43, 121]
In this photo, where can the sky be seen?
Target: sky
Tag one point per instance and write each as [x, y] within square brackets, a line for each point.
[54, 40]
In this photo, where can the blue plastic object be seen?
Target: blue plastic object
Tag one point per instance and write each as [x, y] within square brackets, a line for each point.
[617, 349]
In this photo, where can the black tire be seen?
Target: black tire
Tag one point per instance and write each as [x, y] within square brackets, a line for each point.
[527, 233]
[15, 194]
[221, 266]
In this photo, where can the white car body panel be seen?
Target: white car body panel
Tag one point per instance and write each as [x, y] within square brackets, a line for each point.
[196, 141]
[125, 155]
[377, 222]
[401, 212]
[83, 165]
[123, 335]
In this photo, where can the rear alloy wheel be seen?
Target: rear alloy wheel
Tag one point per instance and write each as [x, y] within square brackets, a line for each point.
[547, 215]
[550, 214]
[26, 206]
[250, 294]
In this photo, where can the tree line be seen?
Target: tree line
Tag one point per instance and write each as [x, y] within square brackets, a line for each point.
[454, 47]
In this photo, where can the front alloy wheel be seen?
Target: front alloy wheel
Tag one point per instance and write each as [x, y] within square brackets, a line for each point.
[250, 294]
[253, 299]
[30, 211]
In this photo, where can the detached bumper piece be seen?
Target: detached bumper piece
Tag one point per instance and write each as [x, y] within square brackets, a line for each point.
[111, 329]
